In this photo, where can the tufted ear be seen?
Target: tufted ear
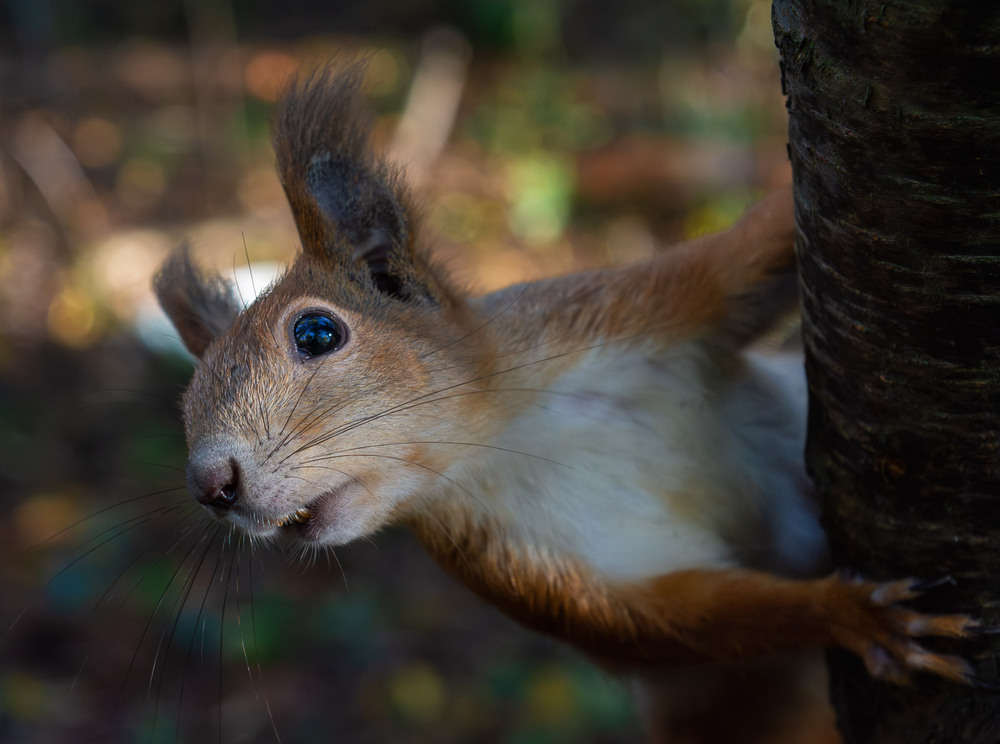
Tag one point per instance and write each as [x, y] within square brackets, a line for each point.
[366, 213]
[349, 205]
[201, 306]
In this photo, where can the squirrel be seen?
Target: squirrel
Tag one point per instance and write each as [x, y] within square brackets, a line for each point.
[600, 455]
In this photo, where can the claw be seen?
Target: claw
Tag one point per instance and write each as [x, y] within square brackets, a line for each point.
[973, 681]
[895, 591]
[974, 627]
[887, 643]
[949, 667]
[921, 586]
[949, 626]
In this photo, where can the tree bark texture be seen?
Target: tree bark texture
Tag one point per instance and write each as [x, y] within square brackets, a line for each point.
[894, 129]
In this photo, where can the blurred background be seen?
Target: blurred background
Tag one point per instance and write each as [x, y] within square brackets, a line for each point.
[542, 136]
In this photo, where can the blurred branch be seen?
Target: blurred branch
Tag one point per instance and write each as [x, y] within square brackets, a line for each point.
[432, 104]
[212, 29]
[54, 169]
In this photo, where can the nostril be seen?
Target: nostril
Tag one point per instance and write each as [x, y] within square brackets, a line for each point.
[227, 492]
[215, 483]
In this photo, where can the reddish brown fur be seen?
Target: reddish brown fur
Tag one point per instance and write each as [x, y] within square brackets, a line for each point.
[681, 618]
[689, 291]
[361, 262]
[692, 618]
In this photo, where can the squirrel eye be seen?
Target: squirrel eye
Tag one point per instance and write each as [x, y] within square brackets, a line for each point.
[317, 334]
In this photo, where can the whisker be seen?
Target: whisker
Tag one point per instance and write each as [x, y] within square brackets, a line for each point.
[185, 533]
[226, 581]
[343, 574]
[16, 620]
[518, 351]
[429, 513]
[198, 619]
[335, 470]
[180, 602]
[292, 413]
[163, 465]
[239, 618]
[247, 421]
[141, 580]
[239, 291]
[155, 612]
[318, 413]
[476, 330]
[420, 399]
[246, 252]
[135, 559]
[117, 531]
[260, 671]
[94, 515]
[457, 444]
[415, 464]
[79, 673]
[265, 419]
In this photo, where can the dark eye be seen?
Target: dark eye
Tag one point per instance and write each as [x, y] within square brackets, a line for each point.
[317, 334]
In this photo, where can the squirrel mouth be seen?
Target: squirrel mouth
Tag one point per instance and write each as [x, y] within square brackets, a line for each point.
[300, 517]
[314, 521]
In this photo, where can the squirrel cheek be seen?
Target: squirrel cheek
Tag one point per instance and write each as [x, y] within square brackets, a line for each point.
[343, 514]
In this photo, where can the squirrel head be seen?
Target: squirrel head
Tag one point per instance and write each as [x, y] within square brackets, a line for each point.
[304, 411]
[344, 397]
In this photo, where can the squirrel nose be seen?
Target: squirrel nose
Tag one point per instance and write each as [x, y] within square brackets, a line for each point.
[214, 483]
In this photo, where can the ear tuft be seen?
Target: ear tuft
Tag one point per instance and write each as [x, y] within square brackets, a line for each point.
[350, 206]
[201, 306]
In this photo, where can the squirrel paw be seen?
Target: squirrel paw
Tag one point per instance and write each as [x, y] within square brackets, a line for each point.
[882, 633]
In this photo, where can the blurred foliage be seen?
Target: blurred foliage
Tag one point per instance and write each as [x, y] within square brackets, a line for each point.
[636, 29]
[584, 133]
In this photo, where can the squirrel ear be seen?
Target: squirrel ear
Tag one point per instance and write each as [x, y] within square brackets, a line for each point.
[201, 306]
[364, 210]
[349, 205]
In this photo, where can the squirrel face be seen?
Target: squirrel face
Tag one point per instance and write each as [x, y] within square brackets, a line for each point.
[308, 408]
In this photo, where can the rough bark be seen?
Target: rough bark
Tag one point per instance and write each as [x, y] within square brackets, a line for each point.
[894, 136]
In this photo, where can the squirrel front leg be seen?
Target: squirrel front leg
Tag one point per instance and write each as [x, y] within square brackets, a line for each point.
[731, 614]
[698, 616]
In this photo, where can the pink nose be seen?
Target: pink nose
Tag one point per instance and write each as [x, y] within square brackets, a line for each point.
[213, 480]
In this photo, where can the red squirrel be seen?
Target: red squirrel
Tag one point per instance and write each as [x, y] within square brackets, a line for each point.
[599, 455]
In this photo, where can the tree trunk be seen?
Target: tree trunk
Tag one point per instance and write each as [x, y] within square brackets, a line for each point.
[895, 144]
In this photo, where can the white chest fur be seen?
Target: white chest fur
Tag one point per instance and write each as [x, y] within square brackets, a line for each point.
[640, 465]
